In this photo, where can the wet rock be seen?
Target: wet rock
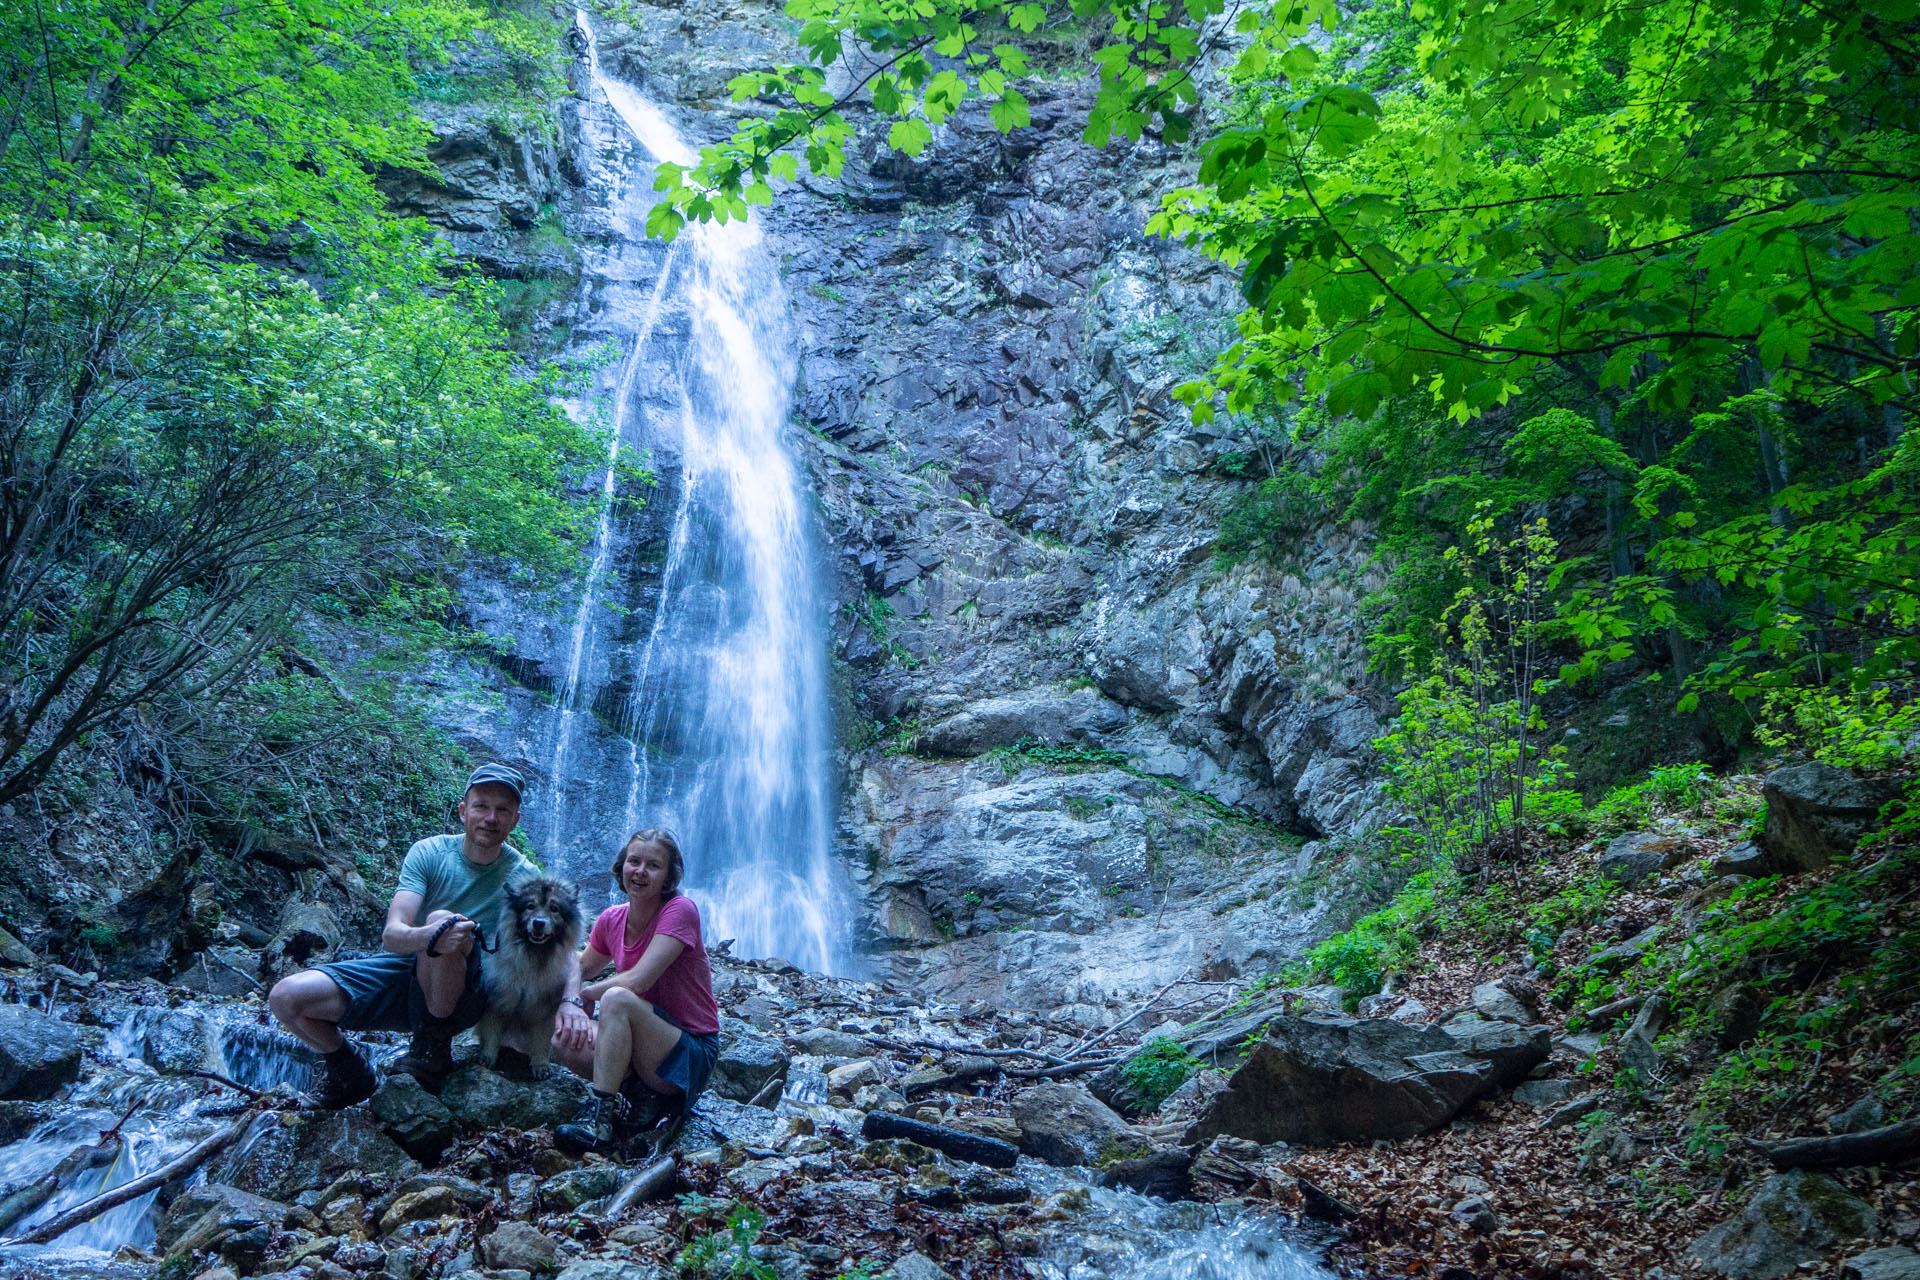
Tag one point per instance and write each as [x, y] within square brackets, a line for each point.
[418, 1206]
[1816, 812]
[1512, 1051]
[1891, 1263]
[1323, 1081]
[417, 1120]
[826, 1042]
[850, 1076]
[481, 1098]
[1166, 1172]
[1064, 1124]
[916, 1266]
[748, 1062]
[365, 1256]
[1641, 855]
[305, 1151]
[1791, 1218]
[38, 1054]
[519, 1246]
[567, 1191]
[980, 1187]
[200, 1215]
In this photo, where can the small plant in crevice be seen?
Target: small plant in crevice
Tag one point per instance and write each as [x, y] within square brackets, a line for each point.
[1160, 1067]
[726, 1250]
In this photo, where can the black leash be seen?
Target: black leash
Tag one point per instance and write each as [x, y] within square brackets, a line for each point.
[440, 932]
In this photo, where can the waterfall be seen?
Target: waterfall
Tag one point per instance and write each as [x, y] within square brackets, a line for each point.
[724, 710]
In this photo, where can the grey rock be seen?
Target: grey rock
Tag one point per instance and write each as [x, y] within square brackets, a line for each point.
[1641, 855]
[1326, 999]
[916, 1266]
[517, 1245]
[220, 971]
[305, 934]
[1511, 1051]
[1816, 812]
[1891, 1263]
[305, 1151]
[14, 952]
[1165, 1172]
[608, 1269]
[1045, 715]
[417, 1120]
[1637, 1047]
[1545, 1093]
[200, 1214]
[523, 1195]
[981, 1187]
[480, 1098]
[567, 1191]
[748, 1062]
[1621, 955]
[1323, 1081]
[1064, 1124]
[1791, 1218]
[38, 1054]
[1745, 859]
[1867, 1112]
[1578, 1109]
[465, 1191]
[1504, 1000]
[1476, 1215]
[826, 1042]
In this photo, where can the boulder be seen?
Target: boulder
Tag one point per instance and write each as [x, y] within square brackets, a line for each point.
[1641, 855]
[1637, 1047]
[481, 1098]
[1545, 1093]
[564, 1192]
[748, 1062]
[916, 1266]
[1747, 860]
[305, 1151]
[1511, 1051]
[14, 952]
[220, 971]
[1507, 1000]
[1323, 1081]
[826, 1042]
[417, 1120]
[1165, 1172]
[1623, 955]
[1891, 1263]
[518, 1246]
[1578, 1109]
[850, 1076]
[200, 1215]
[1792, 1217]
[305, 934]
[418, 1206]
[1866, 1112]
[1064, 1124]
[38, 1054]
[608, 1269]
[1816, 812]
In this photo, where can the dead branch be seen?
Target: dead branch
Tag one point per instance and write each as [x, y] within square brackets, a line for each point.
[1889, 1144]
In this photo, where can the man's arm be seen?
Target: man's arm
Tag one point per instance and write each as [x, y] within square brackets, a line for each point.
[405, 938]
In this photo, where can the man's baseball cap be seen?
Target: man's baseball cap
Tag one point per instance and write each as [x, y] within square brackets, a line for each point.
[495, 772]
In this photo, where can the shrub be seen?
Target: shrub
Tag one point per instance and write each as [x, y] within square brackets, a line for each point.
[1160, 1067]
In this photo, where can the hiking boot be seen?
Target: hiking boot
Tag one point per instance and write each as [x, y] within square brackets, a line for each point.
[591, 1129]
[644, 1109]
[430, 1057]
[348, 1079]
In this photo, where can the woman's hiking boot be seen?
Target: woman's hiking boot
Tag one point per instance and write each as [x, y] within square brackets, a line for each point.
[349, 1079]
[591, 1129]
[430, 1056]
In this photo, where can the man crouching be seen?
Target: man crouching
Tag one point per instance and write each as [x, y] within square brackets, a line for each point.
[429, 980]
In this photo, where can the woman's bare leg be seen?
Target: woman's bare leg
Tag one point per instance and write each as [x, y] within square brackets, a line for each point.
[632, 1037]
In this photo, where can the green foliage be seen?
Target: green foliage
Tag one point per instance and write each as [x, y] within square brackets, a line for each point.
[1358, 959]
[1273, 515]
[726, 1252]
[876, 613]
[1672, 789]
[1161, 1066]
[198, 448]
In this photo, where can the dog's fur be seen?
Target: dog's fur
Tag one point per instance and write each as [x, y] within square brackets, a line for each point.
[526, 976]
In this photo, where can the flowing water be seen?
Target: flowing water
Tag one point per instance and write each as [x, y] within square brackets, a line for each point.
[722, 704]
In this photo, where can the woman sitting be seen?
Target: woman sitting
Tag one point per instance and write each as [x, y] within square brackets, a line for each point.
[658, 1024]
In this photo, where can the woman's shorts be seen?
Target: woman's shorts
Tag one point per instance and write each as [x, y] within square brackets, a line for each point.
[687, 1064]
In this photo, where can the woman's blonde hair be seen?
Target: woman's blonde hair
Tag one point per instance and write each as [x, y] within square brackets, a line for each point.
[676, 861]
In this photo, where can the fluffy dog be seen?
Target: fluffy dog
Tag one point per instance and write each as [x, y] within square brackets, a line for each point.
[526, 974]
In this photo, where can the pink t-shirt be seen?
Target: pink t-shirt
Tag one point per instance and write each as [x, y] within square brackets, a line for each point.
[685, 991]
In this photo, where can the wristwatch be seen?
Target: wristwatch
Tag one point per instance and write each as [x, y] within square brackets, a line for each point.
[575, 1001]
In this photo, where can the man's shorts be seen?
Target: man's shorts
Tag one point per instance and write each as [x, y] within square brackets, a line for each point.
[384, 994]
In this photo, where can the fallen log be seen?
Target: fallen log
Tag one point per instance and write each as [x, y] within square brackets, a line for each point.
[113, 1199]
[972, 1147]
[1889, 1144]
[654, 1177]
[23, 1200]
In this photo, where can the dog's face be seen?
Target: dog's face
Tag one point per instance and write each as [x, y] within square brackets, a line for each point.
[545, 911]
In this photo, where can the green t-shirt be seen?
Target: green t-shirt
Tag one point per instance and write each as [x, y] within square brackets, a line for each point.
[436, 869]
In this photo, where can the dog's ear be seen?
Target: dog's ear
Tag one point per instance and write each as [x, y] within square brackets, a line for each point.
[512, 895]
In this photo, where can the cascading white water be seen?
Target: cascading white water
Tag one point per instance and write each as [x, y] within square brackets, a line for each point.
[727, 711]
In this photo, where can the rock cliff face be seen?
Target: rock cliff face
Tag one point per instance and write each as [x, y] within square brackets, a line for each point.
[1081, 754]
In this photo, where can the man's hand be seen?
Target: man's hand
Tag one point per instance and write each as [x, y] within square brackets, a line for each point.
[457, 939]
[572, 1029]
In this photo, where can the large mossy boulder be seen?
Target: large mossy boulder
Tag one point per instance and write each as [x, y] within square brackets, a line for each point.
[1792, 1218]
[1816, 813]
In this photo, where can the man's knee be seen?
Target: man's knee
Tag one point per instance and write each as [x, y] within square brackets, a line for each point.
[307, 994]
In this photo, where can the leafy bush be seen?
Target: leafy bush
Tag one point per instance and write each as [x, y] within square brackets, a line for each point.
[726, 1251]
[1161, 1066]
[1359, 959]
